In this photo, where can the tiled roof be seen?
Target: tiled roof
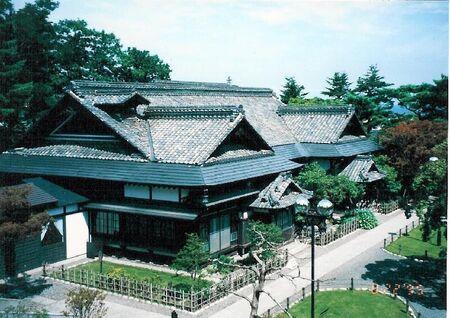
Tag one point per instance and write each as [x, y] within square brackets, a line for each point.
[259, 104]
[276, 196]
[146, 172]
[75, 151]
[35, 197]
[362, 169]
[349, 148]
[316, 124]
[64, 196]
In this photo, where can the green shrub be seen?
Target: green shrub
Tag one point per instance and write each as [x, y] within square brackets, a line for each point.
[366, 219]
[221, 267]
[117, 272]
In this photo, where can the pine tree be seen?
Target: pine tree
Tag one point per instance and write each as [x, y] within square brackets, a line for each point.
[339, 86]
[292, 90]
[372, 99]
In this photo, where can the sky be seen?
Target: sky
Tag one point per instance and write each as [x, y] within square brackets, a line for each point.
[259, 43]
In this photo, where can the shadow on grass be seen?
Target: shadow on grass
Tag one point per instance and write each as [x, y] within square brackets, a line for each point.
[22, 287]
[430, 275]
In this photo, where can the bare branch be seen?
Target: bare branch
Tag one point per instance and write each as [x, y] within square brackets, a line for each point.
[278, 304]
[252, 268]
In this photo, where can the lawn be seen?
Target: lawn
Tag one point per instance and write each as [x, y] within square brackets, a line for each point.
[153, 276]
[350, 304]
[411, 245]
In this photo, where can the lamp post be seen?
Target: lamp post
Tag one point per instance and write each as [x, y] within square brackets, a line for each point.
[314, 217]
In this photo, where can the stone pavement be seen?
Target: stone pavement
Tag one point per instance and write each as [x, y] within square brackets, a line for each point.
[337, 256]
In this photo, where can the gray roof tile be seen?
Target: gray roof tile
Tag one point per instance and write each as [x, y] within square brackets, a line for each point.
[363, 170]
[75, 151]
[316, 124]
[276, 196]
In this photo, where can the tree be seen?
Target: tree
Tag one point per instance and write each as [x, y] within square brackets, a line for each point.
[339, 86]
[14, 93]
[391, 181]
[410, 144]
[427, 101]
[16, 221]
[35, 36]
[372, 99]
[292, 90]
[338, 189]
[192, 256]
[141, 66]
[85, 303]
[315, 101]
[430, 190]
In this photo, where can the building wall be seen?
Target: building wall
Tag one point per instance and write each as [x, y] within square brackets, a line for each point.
[30, 254]
[77, 233]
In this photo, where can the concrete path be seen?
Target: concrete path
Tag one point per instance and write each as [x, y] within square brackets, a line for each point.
[336, 257]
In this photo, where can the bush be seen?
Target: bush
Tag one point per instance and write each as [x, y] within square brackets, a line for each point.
[221, 267]
[366, 219]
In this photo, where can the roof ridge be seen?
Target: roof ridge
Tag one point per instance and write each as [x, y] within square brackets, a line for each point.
[189, 110]
[316, 109]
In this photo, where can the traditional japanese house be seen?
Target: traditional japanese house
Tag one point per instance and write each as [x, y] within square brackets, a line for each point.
[160, 159]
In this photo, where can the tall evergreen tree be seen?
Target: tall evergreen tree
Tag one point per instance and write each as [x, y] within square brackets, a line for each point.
[372, 99]
[35, 36]
[427, 101]
[292, 90]
[15, 92]
[339, 86]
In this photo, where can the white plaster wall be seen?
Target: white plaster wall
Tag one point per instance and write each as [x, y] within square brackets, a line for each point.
[165, 194]
[77, 233]
[136, 191]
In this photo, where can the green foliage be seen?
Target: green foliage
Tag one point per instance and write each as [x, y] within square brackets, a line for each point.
[391, 181]
[192, 256]
[338, 189]
[117, 272]
[339, 86]
[85, 303]
[292, 90]
[431, 179]
[427, 101]
[223, 265]
[366, 219]
[23, 310]
[372, 99]
[315, 101]
[264, 239]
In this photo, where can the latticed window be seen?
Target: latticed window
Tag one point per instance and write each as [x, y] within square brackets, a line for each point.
[284, 219]
[107, 223]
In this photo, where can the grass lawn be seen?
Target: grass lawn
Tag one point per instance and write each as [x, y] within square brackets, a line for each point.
[153, 276]
[350, 304]
[413, 246]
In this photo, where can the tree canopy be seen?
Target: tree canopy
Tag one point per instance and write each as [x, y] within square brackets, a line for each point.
[338, 189]
[410, 144]
[38, 58]
[427, 101]
[339, 86]
[292, 90]
[192, 256]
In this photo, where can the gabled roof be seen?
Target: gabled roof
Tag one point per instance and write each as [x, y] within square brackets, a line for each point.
[62, 195]
[363, 170]
[323, 124]
[259, 104]
[280, 193]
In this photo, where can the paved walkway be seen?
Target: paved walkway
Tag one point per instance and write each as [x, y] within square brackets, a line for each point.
[336, 257]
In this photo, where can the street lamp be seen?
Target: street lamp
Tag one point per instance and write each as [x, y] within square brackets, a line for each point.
[314, 217]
